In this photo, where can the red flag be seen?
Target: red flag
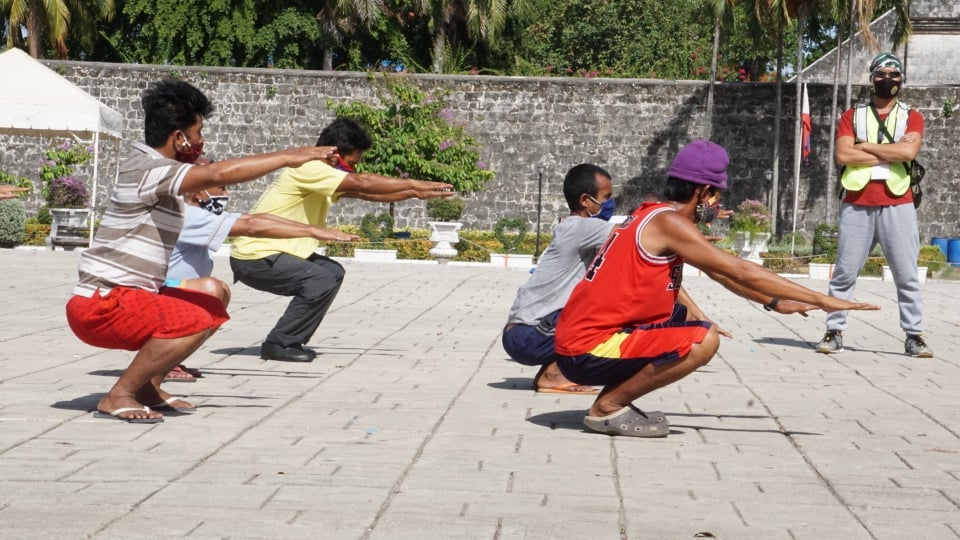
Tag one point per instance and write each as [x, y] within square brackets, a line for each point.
[807, 126]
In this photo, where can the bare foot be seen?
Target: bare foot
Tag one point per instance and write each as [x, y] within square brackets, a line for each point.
[182, 373]
[112, 403]
[155, 397]
[551, 380]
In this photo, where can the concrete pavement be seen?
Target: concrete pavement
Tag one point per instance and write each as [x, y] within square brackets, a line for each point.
[411, 424]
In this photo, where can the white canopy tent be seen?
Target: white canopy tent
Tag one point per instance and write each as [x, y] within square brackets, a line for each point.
[36, 101]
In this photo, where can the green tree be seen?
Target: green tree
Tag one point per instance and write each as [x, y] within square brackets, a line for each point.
[338, 18]
[250, 33]
[55, 21]
[454, 22]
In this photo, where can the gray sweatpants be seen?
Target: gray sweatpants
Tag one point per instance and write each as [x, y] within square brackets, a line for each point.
[895, 229]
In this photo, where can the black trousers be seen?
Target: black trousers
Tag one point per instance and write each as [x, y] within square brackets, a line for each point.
[313, 283]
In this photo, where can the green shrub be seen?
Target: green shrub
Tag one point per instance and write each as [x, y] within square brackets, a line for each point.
[825, 242]
[449, 209]
[376, 228]
[932, 257]
[510, 242]
[415, 135]
[13, 217]
[35, 234]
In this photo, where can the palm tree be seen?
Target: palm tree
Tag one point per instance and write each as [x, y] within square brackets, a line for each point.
[55, 20]
[340, 17]
[722, 14]
[483, 20]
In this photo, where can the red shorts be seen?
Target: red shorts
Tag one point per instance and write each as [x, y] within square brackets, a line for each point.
[126, 318]
[626, 352]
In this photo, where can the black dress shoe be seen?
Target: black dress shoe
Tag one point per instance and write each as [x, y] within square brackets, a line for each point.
[293, 353]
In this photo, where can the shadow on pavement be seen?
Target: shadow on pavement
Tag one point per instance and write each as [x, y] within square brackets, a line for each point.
[513, 383]
[84, 403]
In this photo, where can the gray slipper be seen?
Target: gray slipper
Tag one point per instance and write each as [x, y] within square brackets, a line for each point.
[630, 421]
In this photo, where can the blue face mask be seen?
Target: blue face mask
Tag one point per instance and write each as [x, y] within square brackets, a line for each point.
[606, 208]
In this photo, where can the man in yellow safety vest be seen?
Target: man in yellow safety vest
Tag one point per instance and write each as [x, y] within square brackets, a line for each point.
[876, 144]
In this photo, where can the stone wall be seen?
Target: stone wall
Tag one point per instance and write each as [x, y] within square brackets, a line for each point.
[630, 127]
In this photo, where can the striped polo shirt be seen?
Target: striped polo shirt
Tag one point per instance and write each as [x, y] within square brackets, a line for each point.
[139, 227]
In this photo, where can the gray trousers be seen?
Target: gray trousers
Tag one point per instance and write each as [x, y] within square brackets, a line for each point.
[313, 283]
[895, 229]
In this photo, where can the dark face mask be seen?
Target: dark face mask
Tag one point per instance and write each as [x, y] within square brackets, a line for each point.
[886, 88]
[215, 204]
[188, 153]
[707, 211]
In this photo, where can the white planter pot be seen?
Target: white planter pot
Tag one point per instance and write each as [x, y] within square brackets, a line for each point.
[375, 255]
[741, 239]
[820, 270]
[444, 235]
[511, 260]
[921, 274]
[68, 218]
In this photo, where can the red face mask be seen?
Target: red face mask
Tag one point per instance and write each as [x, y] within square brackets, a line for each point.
[343, 165]
[191, 154]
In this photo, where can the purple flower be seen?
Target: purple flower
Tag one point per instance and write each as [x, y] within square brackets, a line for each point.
[445, 113]
[481, 165]
[67, 192]
[446, 144]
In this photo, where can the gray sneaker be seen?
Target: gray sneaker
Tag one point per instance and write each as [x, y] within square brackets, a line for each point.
[917, 347]
[832, 342]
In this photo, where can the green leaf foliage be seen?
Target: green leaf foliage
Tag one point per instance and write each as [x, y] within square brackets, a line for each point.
[510, 232]
[415, 136]
[12, 219]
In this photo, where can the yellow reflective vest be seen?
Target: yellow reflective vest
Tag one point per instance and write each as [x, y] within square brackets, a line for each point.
[867, 128]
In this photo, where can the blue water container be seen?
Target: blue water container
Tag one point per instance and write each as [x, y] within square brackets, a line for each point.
[953, 252]
[941, 243]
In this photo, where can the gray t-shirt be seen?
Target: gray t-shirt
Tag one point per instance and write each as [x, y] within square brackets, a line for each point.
[575, 242]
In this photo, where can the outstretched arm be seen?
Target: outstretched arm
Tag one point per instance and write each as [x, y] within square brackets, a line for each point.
[270, 226]
[373, 187]
[8, 191]
[695, 313]
[671, 232]
[239, 170]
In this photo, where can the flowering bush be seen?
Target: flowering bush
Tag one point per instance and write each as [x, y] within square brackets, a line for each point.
[415, 136]
[60, 188]
[751, 216]
[67, 192]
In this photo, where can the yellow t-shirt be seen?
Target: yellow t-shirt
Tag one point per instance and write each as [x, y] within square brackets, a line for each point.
[303, 194]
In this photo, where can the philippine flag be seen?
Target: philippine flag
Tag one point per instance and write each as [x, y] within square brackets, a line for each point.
[807, 127]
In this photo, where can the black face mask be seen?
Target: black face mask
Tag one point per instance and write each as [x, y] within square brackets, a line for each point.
[215, 204]
[886, 88]
[706, 213]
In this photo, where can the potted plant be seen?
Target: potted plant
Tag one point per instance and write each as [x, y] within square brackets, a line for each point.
[930, 260]
[750, 228]
[66, 196]
[67, 202]
[375, 228]
[510, 232]
[445, 227]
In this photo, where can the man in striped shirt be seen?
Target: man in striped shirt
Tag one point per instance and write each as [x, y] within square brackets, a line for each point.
[119, 301]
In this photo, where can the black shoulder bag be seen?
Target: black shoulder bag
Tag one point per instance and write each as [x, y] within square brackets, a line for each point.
[914, 169]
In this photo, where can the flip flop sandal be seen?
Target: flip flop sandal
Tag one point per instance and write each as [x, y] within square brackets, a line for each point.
[180, 374]
[631, 422]
[570, 388]
[168, 406]
[115, 415]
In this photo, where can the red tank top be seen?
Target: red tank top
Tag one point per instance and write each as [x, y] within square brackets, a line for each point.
[624, 286]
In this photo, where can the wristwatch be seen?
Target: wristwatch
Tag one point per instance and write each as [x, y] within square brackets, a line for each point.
[772, 305]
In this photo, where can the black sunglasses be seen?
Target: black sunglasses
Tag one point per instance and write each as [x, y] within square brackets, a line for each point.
[887, 74]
